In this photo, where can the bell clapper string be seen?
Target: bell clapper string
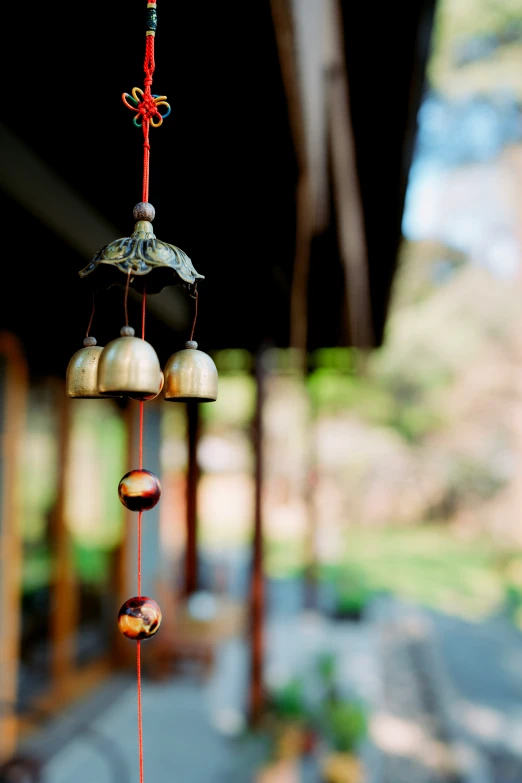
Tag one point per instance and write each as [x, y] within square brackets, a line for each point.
[91, 318]
[196, 295]
[126, 298]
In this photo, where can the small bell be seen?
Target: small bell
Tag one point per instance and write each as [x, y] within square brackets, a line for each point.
[152, 396]
[129, 366]
[81, 380]
[190, 375]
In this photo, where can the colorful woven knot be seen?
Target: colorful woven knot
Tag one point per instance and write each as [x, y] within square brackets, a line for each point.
[146, 107]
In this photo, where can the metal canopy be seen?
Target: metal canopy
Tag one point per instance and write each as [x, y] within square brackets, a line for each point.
[229, 167]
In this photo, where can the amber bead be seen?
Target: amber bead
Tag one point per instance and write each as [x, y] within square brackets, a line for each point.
[139, 490]
[139, 618]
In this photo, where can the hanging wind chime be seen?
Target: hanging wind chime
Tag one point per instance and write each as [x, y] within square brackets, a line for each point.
[129, 366]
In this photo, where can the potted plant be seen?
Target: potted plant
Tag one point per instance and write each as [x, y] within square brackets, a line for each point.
[287, 723]
[352, 595]
[345, 726]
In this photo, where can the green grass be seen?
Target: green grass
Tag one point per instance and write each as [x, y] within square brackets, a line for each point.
[426, 565]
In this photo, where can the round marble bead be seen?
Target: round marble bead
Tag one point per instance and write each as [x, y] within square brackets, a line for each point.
[139, 490]
[139, 618]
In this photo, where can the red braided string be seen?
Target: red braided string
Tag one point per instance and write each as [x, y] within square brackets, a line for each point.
[149, 111]
[138, 647]
[146, 161]
[149, 66]
[140, 720]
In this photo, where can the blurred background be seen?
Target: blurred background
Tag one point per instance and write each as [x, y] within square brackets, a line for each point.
[338, 548]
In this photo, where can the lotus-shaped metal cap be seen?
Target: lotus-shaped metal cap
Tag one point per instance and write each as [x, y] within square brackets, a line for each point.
[149, 262]
[190, 376]
[129, 366]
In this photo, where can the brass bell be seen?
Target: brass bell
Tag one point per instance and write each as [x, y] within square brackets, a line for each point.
[152, 396]
[81, 380]
[190, 375]
[129, 366]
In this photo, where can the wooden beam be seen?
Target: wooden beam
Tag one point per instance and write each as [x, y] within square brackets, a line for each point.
[346, 188]
[285, 32]
[300, 42]
[14, 402]
[284, 28]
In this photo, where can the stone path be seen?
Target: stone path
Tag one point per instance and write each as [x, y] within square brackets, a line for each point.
[445, 699]
[193, 732]
[483, 665]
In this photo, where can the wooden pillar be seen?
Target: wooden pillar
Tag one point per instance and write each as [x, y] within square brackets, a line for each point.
[191, 552]
[311, 598]
[14, 406]
[64, 591]
[257, 583]
[124, 654]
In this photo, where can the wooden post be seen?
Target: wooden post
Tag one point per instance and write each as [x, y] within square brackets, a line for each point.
[14, 403]
[123, 653]
[310, 598]
[257, 584]
[191, 552]
[64, 591]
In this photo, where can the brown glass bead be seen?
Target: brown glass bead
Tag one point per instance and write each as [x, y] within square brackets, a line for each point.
[139, 490]
[139, 618]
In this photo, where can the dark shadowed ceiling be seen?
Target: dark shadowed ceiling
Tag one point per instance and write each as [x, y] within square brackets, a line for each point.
[224, 169]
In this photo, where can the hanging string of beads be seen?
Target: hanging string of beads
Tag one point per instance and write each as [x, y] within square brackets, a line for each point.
[139, 490]
[128, 366]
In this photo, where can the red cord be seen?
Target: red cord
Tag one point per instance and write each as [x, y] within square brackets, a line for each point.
[138, 648]
[146, 160]
[148, 66]
[140, 722]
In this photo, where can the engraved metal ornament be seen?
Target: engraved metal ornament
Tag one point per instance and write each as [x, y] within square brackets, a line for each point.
[149, 262]
[129, 366]
[190, 376]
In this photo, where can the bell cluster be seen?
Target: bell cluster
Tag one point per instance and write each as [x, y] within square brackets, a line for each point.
[129, 367]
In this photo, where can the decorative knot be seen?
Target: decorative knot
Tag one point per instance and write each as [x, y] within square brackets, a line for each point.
[145, 105]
